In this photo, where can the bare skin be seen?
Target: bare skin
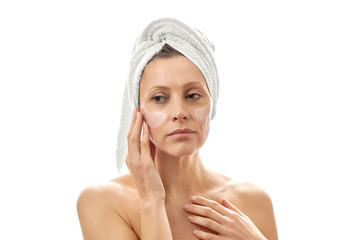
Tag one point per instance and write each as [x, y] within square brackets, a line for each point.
[155, 201]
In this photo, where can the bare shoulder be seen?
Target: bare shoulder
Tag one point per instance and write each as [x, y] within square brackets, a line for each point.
[246, 194]
[103, 210]
[239, 190]
[249, 192]
[256, 203]
[115, 194]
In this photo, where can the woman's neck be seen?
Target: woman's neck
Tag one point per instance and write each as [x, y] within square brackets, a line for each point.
[182, 176]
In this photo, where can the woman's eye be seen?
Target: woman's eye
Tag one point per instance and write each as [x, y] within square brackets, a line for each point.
[159, 99]
[193, 96]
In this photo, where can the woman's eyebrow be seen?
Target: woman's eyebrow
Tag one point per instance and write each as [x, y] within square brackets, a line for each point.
[190, 84]
[159, 87]
[187, 85]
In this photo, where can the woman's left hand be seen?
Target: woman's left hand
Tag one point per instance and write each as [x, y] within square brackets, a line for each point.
[225, 219]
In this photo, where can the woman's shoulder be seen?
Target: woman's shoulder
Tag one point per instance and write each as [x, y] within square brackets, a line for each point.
[117, 187]
[239, 189]
[255, 203]
[105, 209]
[248, 196]
[248, 190]
[116, 194]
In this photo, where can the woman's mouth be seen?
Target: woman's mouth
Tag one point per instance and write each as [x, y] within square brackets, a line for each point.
[182, 133]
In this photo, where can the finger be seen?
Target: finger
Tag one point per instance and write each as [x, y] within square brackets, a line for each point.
[205, 212]
[206, 222]
[152, 148]
[134, 138]
[211, 204]
[132, 124]
[226, 203]
[145, 142]
[138, 125]
[205, 235]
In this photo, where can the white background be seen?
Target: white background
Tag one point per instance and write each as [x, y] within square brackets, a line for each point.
[287, 118]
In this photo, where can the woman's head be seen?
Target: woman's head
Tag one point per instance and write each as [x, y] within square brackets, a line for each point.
[174, 96]
[195, 53]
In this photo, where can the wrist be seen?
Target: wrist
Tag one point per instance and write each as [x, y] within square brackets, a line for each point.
[152, 201]
[152, 207]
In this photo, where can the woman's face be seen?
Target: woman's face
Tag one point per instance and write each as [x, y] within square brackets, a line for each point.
[174, 97]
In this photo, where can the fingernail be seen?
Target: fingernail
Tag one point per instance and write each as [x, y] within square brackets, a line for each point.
[196, 232]
[194, 198]
[187, 207]
[190, 217]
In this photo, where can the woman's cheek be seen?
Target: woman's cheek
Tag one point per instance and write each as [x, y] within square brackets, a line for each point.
[153, 119]
[203, 113]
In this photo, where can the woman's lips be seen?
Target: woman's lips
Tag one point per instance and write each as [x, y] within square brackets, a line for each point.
[184, 132]
[181, 135]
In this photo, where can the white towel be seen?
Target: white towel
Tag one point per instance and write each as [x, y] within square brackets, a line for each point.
[189, 41]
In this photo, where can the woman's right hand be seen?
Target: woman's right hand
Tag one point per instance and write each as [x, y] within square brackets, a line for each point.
[140, 159]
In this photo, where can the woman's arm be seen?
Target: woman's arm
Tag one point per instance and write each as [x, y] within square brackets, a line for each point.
[140, 161]
[154, 221]
[99, 220]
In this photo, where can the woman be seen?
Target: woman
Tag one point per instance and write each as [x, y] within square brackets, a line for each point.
[169, 194]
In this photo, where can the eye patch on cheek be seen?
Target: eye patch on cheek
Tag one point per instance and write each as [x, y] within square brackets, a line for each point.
[156, 119]
[153, 119]
[203, 113]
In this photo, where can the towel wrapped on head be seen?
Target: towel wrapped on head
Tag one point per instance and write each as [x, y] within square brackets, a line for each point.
[188, 41]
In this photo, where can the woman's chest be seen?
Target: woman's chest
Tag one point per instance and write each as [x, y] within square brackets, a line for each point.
[181, 227]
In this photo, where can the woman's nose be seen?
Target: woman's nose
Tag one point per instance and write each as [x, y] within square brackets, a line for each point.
[179, 112]
[180, 116]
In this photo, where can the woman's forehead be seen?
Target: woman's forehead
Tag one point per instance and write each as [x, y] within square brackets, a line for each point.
[172, 72]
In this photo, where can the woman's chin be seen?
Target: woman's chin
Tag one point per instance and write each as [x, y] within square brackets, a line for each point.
[179, 151]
